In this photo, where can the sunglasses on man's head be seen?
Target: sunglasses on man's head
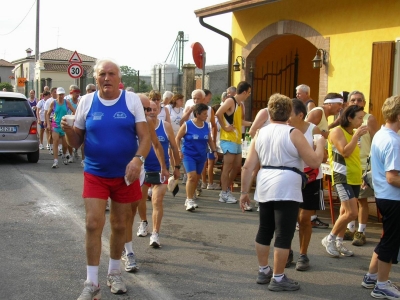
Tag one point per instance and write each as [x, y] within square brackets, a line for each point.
[148, 109]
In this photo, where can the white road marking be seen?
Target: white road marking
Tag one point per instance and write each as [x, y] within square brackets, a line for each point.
[57, 206]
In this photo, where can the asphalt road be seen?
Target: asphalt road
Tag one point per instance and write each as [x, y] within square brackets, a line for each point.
[206, 254]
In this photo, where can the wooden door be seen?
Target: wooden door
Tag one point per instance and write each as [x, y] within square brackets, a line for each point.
[381, 77]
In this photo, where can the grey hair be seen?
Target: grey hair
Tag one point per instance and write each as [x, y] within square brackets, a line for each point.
[304, 88]
[102, 61]
[224, 95]
[73, 87]
[231, 89]
[90, 86]
[198, 91]
[356, 93]
[130, 89]
[167, 94]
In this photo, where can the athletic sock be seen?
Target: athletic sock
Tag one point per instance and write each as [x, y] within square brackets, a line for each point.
[339, 239]
[128, 248]
[92, 273]
[114, 264]
[361, 227]
[352, 226]
[264, 269]
[331, 237]
[278, 277]
[372, 276]
[381, 284]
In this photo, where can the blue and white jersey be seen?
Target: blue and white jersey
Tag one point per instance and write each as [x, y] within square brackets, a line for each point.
[152, 164]
[195, 141]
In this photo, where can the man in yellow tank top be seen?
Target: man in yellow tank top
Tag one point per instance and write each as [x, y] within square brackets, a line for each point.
[230, 118]
[358, 236]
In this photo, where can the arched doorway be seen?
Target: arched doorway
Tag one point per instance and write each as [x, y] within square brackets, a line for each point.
[272, 50]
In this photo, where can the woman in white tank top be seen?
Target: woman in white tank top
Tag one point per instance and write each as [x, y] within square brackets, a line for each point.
[276, 148]
[164, 113]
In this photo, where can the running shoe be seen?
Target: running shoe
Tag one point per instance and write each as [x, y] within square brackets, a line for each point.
[90, 292]
[359, 239]
[330, 247]
[214, 186]
[115, 282]
[65, 160]
[189, 205]
[285, 284]
[155, 240]
[388, 291]
[343, 250]
[55, 165]
[317, 223]
[41, 147]
[142, 230]
[130, 263]
[368, 282]
[263, 278]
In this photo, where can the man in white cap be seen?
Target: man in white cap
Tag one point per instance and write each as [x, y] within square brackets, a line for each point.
[333, 103]
[60, 107]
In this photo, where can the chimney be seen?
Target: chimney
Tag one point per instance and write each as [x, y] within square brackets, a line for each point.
[28, 52]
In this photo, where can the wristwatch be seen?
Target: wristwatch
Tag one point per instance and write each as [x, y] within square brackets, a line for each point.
[141, 157]
[177, 167]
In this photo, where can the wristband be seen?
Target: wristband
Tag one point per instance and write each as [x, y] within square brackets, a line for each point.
[245, 193]
[177, 167]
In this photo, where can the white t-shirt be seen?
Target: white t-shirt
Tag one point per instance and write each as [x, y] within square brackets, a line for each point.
[175, 116]
[132, 102]
[40, 106]
[189, 103]
[275, 148]
[48, 103]
[309, 137]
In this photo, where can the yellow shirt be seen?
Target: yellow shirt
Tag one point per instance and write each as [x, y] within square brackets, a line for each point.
[236, 135]
[345, 170]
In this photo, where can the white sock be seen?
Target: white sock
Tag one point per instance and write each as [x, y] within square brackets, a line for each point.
[264, 269]
[56, 160]
[361, 227]
[51, 146]
[372, 276]
[278, 277]
[381, 284]
[339, 239]
[313, 217]
[92, 273]
[352, 226]
[114, 264]
[128, 248]
[331, 237]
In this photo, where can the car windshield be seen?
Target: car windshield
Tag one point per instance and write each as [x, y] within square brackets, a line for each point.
[15, 107]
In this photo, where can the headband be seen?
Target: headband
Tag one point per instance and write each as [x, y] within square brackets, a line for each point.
[334, 100]
[75, 91]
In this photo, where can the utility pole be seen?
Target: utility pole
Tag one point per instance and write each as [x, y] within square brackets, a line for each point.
[37, 44]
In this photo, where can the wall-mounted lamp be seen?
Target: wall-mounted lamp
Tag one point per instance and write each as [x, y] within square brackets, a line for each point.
[236, 65]
[319, 59]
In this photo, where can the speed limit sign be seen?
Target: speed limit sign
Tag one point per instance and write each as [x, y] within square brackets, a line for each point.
[75, 70]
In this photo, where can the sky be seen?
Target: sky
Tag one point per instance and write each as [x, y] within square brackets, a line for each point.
[135, 33]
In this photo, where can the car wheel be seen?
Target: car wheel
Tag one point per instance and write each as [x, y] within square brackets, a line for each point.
[33, 157]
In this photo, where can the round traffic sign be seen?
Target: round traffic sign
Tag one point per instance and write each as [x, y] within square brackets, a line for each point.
[198, 54]
[75, 70]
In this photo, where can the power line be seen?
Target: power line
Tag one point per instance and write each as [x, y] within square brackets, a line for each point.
[1, 34]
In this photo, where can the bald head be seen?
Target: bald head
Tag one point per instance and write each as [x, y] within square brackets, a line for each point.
[144, 99]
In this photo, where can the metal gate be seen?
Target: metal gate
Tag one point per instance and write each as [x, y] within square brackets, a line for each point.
[274, 77]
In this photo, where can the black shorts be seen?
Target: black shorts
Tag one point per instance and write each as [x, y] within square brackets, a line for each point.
[346, 191]
[313, 196]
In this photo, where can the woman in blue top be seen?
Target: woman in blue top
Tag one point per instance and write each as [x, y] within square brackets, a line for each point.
[385, 165]
[196, 135]
[166, 138]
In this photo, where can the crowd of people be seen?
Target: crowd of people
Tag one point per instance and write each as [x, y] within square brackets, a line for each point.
[172, 139]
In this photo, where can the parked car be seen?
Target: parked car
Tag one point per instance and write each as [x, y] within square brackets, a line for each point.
[18, 126]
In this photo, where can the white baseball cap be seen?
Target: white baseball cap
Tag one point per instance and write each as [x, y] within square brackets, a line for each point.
[60, 90]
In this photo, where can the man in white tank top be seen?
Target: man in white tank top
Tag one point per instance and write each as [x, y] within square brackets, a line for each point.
[333, 103]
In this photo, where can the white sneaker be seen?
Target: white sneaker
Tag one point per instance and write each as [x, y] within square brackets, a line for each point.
[48, 147]
[214, 186]
[330, 247]
[142, 230]
[226, 197]
[343, 250]
[184, 180]
[297, 226]
[55, 164]
[195, 204]
[65, 160]
[204, 185]
[76, 155]
[82, 164]
[51, 151]
[41, 147]
[189, 203]
[154, 240]
[248, 207]
[70, 159]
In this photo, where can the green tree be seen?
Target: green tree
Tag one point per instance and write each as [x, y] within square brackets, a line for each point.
[7, 86]
[130, 78]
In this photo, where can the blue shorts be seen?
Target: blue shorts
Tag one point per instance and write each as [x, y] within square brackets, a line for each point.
[191, 164]
[41, 124]
[230, 147]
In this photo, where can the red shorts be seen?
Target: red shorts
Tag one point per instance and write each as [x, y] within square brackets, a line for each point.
[114, 188]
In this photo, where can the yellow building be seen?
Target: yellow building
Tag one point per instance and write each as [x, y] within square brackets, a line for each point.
[278, 39]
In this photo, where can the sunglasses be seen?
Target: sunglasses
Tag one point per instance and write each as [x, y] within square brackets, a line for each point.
[148, 109]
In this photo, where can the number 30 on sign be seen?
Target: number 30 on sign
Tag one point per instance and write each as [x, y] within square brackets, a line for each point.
[75, 70]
